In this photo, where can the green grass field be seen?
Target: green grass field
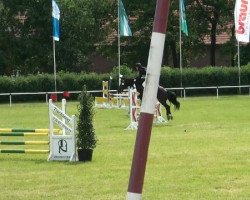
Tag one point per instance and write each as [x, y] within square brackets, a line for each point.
[203, 154]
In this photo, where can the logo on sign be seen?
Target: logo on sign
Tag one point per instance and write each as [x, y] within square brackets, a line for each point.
[62, 146]
[242, 17]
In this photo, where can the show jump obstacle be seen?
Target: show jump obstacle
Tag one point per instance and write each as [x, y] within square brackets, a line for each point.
[134, 110]
[62, 145]
[23, 132]
[133, 107]
[105, 100]
[110, 100]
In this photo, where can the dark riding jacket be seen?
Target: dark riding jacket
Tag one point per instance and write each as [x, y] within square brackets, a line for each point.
[142, 71]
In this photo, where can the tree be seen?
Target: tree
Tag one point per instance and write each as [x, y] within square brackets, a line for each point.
[217, 15]
[135, 49]
[24, 39]
[90, 26]
[82, 28]
[26, 34]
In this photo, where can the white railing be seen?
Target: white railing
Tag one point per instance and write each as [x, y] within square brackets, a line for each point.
[182, 89]
[216, 88]
[46, 94]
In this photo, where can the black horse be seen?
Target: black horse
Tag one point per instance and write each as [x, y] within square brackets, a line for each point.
[162, 94]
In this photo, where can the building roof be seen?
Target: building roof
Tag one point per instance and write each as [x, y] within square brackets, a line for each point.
[221, 38]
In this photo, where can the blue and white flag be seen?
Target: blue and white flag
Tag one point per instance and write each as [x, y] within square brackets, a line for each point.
[123, 20]
[55, 19]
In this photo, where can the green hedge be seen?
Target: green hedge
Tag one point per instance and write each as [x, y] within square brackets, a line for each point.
[206, 76]
[191, 77]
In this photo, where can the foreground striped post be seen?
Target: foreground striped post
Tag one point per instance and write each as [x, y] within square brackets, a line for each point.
[148, 102]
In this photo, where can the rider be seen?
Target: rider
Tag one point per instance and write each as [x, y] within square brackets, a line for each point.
[142, 70]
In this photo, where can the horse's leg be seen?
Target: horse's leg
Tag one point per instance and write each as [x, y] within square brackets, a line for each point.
[167, 107]
[162, 98]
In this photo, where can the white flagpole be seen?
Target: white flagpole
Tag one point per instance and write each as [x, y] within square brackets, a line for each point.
[54, 55]
[180, 42]
[119, 43]
[239, 74]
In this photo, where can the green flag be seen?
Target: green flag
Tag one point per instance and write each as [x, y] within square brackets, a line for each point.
[183, 17]
[123, 21]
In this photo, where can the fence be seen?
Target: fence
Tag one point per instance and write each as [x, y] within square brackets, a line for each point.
[46, 94]
[184, 91]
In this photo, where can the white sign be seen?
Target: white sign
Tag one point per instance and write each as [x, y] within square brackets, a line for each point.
[242, 20]
[63, 148]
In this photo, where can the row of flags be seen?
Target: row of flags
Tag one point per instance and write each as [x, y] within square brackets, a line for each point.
[241, 18]
[124, 25]
[123, 20]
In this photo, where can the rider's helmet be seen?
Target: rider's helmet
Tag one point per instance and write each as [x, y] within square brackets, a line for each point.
[138, 65]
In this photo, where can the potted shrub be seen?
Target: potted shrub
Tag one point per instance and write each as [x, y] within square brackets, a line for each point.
[86, 138]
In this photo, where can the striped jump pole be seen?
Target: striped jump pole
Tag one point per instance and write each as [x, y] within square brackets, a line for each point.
[24, 142]
[29, 151]
[158, 116]
[133, 109]
[12, 134]
[27, 130]
[138, 167]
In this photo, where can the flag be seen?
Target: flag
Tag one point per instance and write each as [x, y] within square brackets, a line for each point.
[55, 19]
[242, 20]
[123, 21]
[183, 17]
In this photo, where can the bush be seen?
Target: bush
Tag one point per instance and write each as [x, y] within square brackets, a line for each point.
[86, 138]
[170, 77]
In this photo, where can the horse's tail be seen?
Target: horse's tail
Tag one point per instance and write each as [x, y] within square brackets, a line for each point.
[173, 99]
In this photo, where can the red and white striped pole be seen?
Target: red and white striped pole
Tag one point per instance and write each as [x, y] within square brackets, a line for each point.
[148, 102]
